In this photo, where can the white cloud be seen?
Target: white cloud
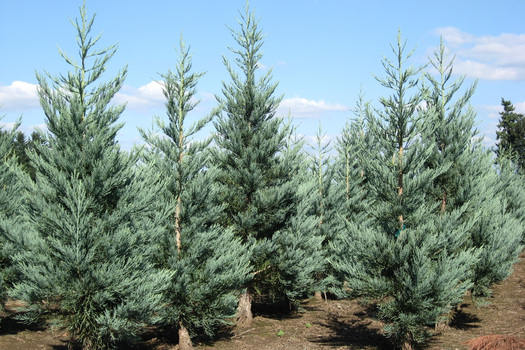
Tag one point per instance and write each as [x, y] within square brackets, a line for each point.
[492, 111]
[7, 126]
[489, 57]
[142, 98]
[519, 107]
[299, 107]
[19, 96]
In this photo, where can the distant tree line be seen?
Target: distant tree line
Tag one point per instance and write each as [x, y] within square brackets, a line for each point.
[406, 209]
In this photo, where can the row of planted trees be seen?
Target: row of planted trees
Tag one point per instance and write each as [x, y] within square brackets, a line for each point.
[410, 212]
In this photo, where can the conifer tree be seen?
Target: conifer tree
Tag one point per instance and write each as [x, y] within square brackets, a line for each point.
[325, 201]
[511, 187]
[498, 231]
[258, 179]
[11, 200]
[209, 264]
[401, 256]
[349, 190]
[465, 184]
[453, 122]
[349, 175]
[511, 134]
[91, 215]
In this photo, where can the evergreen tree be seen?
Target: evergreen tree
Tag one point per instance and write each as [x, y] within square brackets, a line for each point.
[258, 179]
[349, 190]
[91, 215]
[498, 231]
[465, 185]
[209, 264]
[511, 133]
[325, 201]
[510, 185]
[10, 201]
[452, 133]
[21, 146]
[401, 258]
[349, 175]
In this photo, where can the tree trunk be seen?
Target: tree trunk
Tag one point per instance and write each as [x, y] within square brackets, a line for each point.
[184, 338]
[244, 310]
[407, 346]
[318, 296]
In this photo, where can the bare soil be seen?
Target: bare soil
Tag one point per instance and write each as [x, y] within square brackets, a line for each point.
[335, 324]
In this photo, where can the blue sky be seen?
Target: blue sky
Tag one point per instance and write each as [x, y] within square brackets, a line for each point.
[322, 52]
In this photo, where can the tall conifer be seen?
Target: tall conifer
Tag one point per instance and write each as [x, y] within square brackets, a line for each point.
[209, 264]
[258, 178]
[401, 257]
[325, 201]
[11, 199]
[91, 213]
[468, 182]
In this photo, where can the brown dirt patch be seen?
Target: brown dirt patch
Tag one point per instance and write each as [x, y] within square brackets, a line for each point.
[336, 324]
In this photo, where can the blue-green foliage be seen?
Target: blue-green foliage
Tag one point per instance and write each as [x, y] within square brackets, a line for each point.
[348, 191]
[258, 171]
[209, 264]
[470, 182]
[510, 185]
[497, 233]
[91, 213]
[404, 256]
[326, 197]
[11, 199]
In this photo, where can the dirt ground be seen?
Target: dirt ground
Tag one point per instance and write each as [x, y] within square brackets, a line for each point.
[336, 324]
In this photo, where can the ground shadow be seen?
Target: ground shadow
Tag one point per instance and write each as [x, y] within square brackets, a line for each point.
[277, 311]
[11, 325]
[355, 332]
[464, 320]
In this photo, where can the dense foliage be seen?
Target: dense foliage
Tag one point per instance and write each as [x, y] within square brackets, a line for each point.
[209, 264]
[511, 134]
[407, 211]
[266, 204]
[91, 216]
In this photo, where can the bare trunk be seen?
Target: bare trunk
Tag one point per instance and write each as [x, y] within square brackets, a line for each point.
[444, 203]
[244, 310]
[184, 338]
[177, 226]
[400, 174]
[407, 346]
[318, 296]
[442, 326]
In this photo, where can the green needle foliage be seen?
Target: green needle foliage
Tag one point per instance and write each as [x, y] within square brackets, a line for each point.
[348, 190]
[510, 185]
[511, 134]
[327, 198]
[258, 176]
[469, 183]
[209, 264]
[91, 213]
[403, 258]
[11, 199]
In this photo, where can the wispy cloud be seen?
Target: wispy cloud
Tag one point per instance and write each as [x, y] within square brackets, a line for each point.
[489, 57]
[300, 107]
[520, 107]
[19, 96]
[144, 98]
[493, 111]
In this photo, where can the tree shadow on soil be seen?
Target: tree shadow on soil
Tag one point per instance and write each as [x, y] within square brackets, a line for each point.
[153, 336]
[276, 311]
[464, 321]
[11, 325]
[356, 332]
